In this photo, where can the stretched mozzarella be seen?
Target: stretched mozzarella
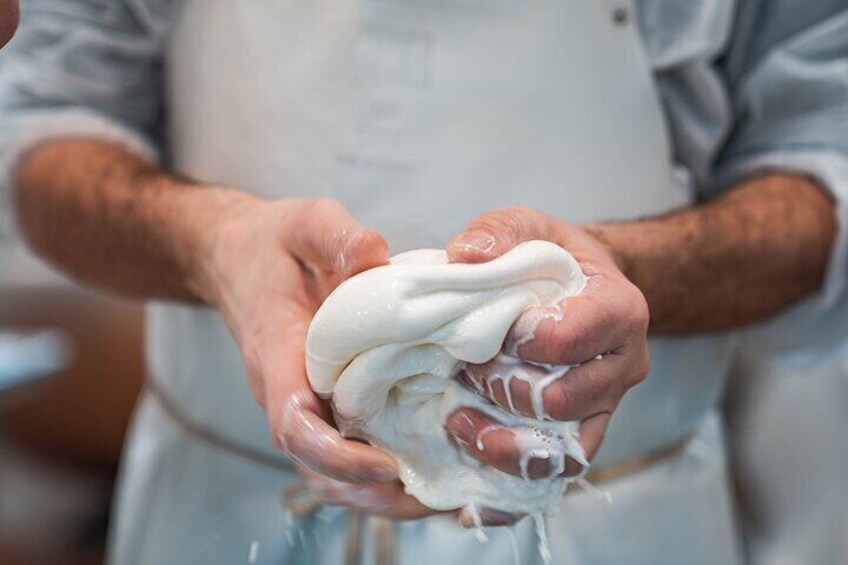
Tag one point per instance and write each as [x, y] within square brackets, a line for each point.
[386, 345]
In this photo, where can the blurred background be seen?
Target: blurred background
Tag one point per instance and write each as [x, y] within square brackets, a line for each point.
[71, 366]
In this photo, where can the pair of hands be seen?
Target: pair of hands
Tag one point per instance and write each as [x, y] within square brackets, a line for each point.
[275, 262]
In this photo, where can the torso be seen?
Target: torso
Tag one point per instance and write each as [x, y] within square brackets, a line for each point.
[418, 116]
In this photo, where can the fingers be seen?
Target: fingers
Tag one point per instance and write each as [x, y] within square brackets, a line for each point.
[310, 440]
[562, 393]
[300, 422]
[524, 452]
[383, 499]
[327, 240]
[514, 386]
[326, 237]
[492, 234]
[609, 314]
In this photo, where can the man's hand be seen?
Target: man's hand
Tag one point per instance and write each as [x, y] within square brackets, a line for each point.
[271, 264]
[603, 331]
[114, 220]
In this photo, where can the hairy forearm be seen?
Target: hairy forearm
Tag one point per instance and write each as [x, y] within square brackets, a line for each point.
[109, 218]
[732, 261]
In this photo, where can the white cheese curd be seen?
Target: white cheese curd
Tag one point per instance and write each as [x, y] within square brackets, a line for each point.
[386, 346]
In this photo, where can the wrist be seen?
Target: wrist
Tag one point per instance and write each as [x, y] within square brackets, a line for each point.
[618, 240]
[212, 216]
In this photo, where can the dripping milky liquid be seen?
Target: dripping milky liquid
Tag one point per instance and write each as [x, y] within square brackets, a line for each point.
[532, 443]
[594, 491]
[542, 444]
[403, 287]
[288, 519]
[515, 369]
[302, 537]
[538, 391]
[516, 558]
[539, 524]
[477, 521]
[506, 383]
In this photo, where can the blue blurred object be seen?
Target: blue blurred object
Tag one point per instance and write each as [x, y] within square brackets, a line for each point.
[26, 357]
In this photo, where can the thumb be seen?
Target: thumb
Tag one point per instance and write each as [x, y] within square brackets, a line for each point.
[492, 234]
[328, 238]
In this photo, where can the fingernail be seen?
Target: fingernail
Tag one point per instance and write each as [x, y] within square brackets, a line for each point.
[475, 241]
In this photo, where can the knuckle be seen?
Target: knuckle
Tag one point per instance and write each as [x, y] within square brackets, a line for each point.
[609, 315]
[644, 368]
[638, 315]
[640, 370]
[611, 404]
[629, 317]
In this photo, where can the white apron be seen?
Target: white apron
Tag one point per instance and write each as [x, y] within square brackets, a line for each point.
[418, 115]
[789, 421]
